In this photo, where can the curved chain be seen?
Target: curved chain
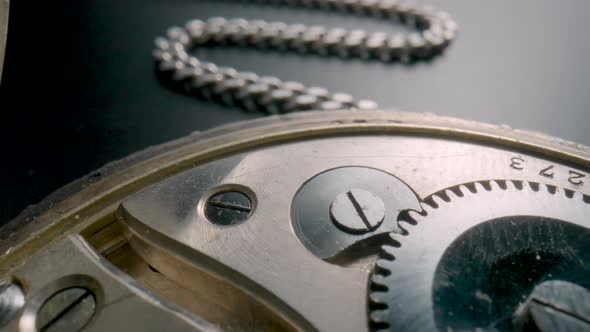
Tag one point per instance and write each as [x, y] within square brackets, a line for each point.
[268, 94]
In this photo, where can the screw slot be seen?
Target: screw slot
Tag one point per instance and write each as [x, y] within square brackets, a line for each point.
[228, 207]
[357, 211]
[69, 309]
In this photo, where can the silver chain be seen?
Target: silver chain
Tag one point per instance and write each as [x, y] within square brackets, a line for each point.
[435, 31]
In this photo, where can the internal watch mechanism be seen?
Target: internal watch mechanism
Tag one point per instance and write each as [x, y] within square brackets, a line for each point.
[489, 247]
[316, 221]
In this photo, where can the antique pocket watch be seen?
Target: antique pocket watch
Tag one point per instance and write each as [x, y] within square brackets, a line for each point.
[344, 217]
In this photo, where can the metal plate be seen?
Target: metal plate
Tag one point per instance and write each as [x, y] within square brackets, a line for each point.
[142, 226]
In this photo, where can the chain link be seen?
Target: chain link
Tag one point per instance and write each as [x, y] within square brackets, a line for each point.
[435, 31]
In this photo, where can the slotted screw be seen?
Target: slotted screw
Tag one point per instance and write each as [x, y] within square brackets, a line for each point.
[68, 310]
[228, 208]
[357, 211]
[555, 306]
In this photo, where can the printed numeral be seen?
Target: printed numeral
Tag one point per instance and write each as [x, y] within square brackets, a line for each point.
[551, 172]
[576, 178]
[546, 172]
[517, 163]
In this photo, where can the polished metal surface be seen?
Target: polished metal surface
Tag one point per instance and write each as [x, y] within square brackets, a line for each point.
[69, 309]
[72, 263]
[145, 243]
[357, 211]
[4, 6]
[555, 306]
[265, 251]
[12, 300]
[271, 95]
[315, 224]
[457, 247]
[228, 208]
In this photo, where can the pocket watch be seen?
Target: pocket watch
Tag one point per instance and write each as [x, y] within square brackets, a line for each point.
[341, 217]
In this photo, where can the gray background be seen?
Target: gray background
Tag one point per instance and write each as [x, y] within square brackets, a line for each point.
[80, 90]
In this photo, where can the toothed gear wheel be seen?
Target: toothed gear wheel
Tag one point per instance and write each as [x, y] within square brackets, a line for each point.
[474, 255]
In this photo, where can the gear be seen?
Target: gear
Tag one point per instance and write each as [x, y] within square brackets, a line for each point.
[475, 253]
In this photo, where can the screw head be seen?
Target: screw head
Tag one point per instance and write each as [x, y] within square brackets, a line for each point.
[12, 300]
[70, 309]
[554, 305]
[357, 211]
[228, 208]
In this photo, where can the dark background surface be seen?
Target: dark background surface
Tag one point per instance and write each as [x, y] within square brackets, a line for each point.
[78, 88]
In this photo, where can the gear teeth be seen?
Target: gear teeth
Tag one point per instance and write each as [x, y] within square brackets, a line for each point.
[388, 252]
[451, 195]
[386, 257]
[444, 196]
[404, 226]
[411, 219]
[502, 184]
[479, 187]
[457, 191]
[438, 200]
[495, 185]
[379, 280]
[510, 185]
[534, 186]
[577, 196]
[467, 189]
[486, 185]
[415, 214]
[429, 203]
[394, 240]
[380, 316]
[378, 297]
[562, 192]
[524, 185]
[383, 267]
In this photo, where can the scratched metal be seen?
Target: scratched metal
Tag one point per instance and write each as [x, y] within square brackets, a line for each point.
[265, 250]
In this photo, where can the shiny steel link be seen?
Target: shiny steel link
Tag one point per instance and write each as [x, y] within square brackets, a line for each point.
[435, 31]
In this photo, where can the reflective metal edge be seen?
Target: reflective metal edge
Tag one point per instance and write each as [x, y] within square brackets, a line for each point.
[77, 210]
[4, 7]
